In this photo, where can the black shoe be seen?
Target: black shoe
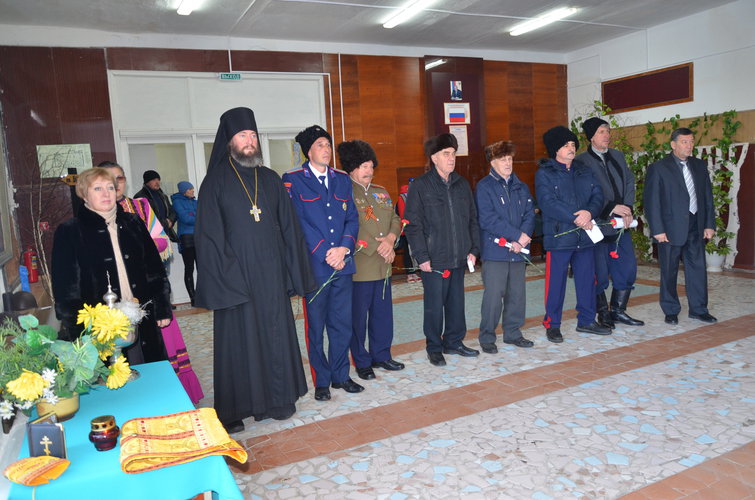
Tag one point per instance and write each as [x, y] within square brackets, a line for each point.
[621, 316]
[520, 342]
[322, 394]
[489, 348]
[390, 364]
[705, 318]
[671, 319]
[461, 350]
[436, 358]
[366, 373]
[348, 385]
[594, 328]
[554, 335]
[234, 427]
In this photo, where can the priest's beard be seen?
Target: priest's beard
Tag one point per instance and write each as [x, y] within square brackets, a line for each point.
[246, 160]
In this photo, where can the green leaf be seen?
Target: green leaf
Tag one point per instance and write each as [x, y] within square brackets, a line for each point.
[28, 321]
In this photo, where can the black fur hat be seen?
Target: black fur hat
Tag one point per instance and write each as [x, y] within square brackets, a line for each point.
[351, 154]
[556, 138]
[439, 143]
[309, 135]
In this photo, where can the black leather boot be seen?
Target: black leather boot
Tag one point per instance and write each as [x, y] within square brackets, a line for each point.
[619, 300]
[189, 282]
[604, 315]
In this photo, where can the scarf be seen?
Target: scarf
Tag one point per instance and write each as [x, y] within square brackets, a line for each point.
[120, 266]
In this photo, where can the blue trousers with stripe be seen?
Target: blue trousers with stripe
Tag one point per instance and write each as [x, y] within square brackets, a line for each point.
[330, 310]
[372, 317]
[557, 266]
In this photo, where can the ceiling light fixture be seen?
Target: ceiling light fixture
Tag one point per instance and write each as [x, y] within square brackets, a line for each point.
[434, 63]
[406, 12]
[185, 8]
[542, 20]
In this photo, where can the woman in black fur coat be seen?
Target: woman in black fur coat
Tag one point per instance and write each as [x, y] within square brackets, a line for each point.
[103, 239]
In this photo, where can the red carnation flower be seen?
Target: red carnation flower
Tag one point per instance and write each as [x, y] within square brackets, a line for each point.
[405, 222]
[614, 222]
[446, 273]
[502, 242]
[362, 243]
[614, 254]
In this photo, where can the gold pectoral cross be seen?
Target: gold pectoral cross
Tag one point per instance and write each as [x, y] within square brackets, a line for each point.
[255, 212]
[46, 443]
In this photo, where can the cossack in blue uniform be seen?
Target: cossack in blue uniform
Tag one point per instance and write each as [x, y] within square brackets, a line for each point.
[328, 219]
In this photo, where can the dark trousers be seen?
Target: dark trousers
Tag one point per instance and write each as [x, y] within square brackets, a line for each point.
[189, 256]
[695, 273]
[622, 271]
[504, 293]
[331, 309]
[444, 321]
[372, 316]
[556, 267]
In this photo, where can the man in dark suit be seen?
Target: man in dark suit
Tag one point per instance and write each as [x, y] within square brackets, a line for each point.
[678, 203]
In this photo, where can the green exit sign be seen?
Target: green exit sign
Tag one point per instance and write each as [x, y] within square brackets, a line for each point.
[230, 76]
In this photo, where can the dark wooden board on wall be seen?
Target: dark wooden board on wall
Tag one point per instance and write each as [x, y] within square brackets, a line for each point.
[650, 89]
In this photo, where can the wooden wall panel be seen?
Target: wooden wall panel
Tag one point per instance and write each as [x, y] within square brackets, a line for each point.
[148, 59]
[255, 60]
[522, 101]
[85, 115]
[496, 102]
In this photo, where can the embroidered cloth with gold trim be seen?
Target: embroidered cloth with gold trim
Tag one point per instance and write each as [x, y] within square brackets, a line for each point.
[154, 442]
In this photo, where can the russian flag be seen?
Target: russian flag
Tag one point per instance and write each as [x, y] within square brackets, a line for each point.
[457, 117]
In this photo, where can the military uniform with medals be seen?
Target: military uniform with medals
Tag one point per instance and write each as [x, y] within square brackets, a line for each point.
[372, 293]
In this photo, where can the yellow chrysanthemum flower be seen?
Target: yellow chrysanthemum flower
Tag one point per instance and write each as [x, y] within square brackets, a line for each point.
[119, 373]
[110, 324]
[88, 314]
[29, 386]
[105, 351]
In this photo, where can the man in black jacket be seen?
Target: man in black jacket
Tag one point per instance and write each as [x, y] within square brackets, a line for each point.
[614, 256]
[443, 236]
[159, 202]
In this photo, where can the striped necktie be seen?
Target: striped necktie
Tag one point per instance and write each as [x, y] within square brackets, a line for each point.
[690, 188]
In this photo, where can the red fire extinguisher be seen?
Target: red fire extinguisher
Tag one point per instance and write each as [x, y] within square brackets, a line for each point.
[30, 261]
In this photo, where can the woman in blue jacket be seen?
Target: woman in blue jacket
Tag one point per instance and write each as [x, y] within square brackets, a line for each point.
[185, 205]
[507, 218]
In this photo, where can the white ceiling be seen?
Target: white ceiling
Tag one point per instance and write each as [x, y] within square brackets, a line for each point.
[461, 24]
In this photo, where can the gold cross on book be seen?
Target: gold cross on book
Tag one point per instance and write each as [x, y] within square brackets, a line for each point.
[255, 212]
[46, 443]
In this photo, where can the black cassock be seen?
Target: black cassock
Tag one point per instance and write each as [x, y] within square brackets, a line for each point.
[247, 271]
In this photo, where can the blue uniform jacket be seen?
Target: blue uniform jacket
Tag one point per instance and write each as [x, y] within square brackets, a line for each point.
[503, 212]
[186, 210]
[328, 218]
[560, 193]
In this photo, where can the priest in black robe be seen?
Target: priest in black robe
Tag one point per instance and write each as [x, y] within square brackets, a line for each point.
[251, 258]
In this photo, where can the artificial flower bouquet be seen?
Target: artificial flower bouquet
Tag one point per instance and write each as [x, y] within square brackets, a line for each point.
[35, 366]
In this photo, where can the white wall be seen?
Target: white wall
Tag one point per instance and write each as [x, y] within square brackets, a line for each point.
[720, 42]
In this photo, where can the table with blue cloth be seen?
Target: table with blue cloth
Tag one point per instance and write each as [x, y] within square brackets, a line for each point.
[97, 474]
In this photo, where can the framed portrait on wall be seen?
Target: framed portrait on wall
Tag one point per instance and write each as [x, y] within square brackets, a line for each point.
[456, 93]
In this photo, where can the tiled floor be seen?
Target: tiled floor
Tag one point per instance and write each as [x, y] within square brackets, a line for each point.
[649, 412]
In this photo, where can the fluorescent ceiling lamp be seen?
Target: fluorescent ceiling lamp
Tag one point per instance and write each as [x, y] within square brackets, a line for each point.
[542, 20]
[185, 8]
[435, 63]
[406, 12]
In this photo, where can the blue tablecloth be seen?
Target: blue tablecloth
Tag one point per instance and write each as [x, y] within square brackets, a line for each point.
[97, 474]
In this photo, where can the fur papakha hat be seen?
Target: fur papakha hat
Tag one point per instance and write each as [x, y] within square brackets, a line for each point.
[439, 143]
[351, 154]
[555, 138]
